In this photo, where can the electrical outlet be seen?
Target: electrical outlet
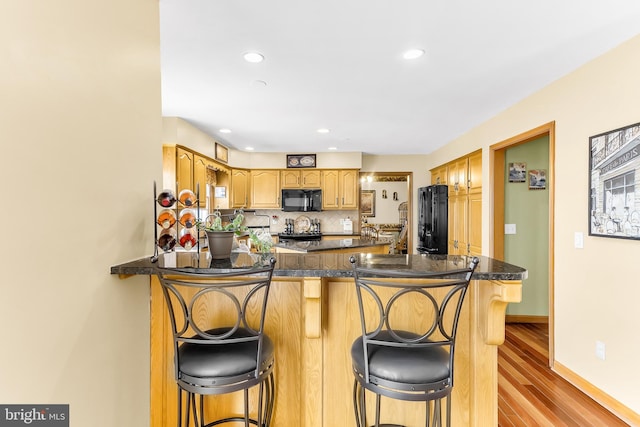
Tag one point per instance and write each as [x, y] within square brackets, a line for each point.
[509, 229]
[600, 350]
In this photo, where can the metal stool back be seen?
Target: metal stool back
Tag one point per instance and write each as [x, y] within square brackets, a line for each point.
[220, 346]
[409, 320]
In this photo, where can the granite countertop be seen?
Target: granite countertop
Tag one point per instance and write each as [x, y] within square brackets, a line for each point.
[318, 264]
[328, 245]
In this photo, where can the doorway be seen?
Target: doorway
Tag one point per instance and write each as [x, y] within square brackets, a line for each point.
[498, 166]
[391, 194]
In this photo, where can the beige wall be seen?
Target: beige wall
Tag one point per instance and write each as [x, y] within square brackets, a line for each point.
[596, 288]
[81, 122]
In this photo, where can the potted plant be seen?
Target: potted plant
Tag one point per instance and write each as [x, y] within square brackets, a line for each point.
[219, 235]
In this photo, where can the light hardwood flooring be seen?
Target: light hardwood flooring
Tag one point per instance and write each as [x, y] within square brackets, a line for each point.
[530, 394]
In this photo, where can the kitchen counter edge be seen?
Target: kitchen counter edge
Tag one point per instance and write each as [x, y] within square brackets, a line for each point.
[488, 268]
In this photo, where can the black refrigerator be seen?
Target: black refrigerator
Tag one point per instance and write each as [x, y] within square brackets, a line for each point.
[433, 210]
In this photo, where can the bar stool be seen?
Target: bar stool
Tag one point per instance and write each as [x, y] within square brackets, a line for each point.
[219, 342]
[409, 320]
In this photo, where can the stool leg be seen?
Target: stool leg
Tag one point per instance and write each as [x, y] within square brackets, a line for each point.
[270, 400]
[427, 413]
[179, 407]
[356, 406]
[202, 422]
[448, 410]
[246, 407]
[377, 410]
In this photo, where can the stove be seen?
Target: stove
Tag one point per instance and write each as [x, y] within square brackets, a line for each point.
[299, 236]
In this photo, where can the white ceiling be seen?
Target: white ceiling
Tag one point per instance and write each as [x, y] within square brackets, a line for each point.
[338, 64]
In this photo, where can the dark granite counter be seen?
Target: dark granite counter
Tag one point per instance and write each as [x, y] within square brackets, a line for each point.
[329, 245]
[319, 264]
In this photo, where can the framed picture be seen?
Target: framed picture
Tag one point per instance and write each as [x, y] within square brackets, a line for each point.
[614, 162]
[301, 160]
[368, 202]
[517, 172]
[222, 153]
[537, 179]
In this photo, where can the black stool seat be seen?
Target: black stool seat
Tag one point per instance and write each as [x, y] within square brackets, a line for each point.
[413, 365]
[228, 360]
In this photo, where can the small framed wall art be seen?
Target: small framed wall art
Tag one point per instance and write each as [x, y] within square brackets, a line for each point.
[614, 167]
[301, 160]
[517, 172]
[537, 179]
[222, 153]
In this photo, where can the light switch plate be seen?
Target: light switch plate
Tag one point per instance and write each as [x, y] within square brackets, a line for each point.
[509, 229]
[578, 240]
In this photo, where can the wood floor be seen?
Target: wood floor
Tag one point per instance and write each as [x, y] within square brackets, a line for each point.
[530, 394]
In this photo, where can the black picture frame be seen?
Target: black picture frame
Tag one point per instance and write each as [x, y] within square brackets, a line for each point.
[614, 164]
[301, 160]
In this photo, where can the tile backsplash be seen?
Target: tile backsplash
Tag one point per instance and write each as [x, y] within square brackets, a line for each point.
[329, 220]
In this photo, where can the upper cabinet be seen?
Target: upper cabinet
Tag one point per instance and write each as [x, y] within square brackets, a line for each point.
[265, 189]
[186, 169]
[292, 178]
[464, 178]
[439, 175]
[239, 188]
[340, 189]
[202, 167]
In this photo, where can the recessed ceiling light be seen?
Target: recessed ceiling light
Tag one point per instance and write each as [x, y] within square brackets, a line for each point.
[249, 148]
[225, 130]
[413, 53]
[333, 148]
[258, 83]
[323, 130]
[254, 57]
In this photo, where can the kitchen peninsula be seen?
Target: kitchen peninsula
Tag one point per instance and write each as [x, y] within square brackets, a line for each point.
[313, 316]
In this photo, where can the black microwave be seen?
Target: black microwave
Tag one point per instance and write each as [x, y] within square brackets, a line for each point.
[294, 200]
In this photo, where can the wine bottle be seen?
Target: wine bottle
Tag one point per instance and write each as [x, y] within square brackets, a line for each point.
[166, 218]
[187, 239]
[167, 240]
[166, 198]
[187, 197]
[187, 218]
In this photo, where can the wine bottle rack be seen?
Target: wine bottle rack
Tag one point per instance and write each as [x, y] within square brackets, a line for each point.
[177, 207]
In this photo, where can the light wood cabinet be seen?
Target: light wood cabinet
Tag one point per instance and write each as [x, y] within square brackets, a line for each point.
[439, 175]
[464, 178]
[330, 190]
[201, 166]
[292, 178]
[340, 189]
[239, 188]
[183, 168]
[265, 189]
